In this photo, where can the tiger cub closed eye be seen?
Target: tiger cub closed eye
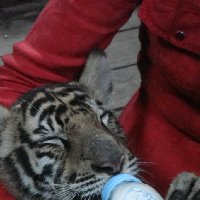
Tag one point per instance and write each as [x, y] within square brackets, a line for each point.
[58, 143]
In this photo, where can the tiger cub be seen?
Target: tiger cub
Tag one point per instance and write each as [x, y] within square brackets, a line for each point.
[59, 142]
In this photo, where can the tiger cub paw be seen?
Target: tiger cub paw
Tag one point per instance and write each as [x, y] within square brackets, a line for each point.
[185, 186]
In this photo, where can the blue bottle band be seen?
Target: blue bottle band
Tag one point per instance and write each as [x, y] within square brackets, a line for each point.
[114, 181]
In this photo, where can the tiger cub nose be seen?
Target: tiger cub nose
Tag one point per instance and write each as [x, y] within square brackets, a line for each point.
[106, 156]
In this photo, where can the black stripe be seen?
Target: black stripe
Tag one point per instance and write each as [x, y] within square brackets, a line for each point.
[65, 143]
[85, 178]
[59, 111]
[35, 107]
[59, 172]
[47, 170]
[66, 120]
[47, 111]
[24, 161]
[13, 171]
[24, 105]
[45, 154]
[79, 100]
[50, 123]
[24, 136]
[72, 177]
[91, 183]
[99, 103]
[132, 164]
[59, 121]
[131, 158]
[83, 110]
[41, 130]
[37, 196]
[95, 197]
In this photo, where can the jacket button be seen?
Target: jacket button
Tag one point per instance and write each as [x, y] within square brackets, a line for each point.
[180, 35]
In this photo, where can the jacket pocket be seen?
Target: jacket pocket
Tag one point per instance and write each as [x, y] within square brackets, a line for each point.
[176, 21]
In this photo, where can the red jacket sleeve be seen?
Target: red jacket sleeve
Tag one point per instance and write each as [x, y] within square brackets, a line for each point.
[56, 48]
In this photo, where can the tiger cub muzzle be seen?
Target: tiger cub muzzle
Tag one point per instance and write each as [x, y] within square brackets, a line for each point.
[105, 154]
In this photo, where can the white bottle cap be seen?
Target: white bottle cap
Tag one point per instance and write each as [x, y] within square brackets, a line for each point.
[114, 181]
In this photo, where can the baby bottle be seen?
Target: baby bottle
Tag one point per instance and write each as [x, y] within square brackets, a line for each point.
[127, 187]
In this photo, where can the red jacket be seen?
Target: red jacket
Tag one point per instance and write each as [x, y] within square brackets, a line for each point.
[162, 120]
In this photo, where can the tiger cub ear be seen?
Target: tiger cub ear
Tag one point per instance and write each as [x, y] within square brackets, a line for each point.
[97, 76]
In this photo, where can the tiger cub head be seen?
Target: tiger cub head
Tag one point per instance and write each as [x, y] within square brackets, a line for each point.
[58, 142]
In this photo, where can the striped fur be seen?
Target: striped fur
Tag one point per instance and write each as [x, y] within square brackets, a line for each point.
[52, 141]
[44, 139]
